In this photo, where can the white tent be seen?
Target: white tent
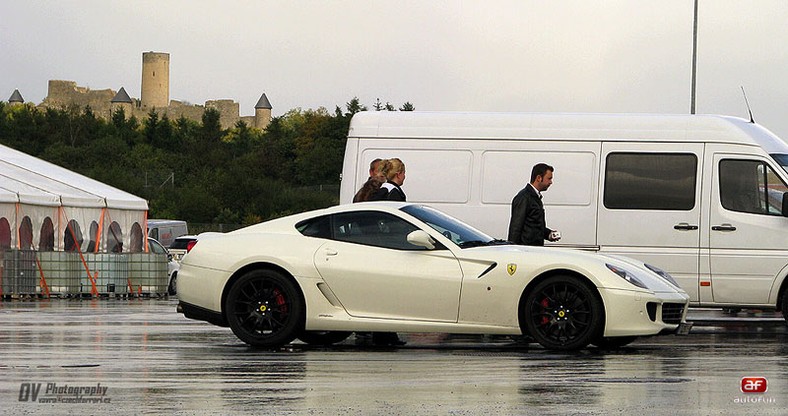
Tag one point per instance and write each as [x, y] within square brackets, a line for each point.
[46, 207]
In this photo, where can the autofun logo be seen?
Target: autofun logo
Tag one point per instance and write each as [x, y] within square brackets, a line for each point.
[754, 389]
[754, 385]
[62, 393]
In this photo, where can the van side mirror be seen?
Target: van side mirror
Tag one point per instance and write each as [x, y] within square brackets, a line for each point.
[785, 204]
[420, 238]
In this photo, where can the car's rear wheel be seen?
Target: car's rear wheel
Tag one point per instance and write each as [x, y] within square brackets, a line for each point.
[563, 313]
[323, 337]
[265, 309]
[613, 342]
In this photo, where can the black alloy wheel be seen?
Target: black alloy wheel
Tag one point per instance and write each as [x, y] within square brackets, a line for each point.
[265, 309]
[563, 313]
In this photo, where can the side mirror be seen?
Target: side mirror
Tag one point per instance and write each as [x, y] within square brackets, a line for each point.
[785, 204]
[420, 238]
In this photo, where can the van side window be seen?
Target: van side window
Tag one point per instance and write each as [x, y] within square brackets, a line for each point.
[654, 181]
[750, 186]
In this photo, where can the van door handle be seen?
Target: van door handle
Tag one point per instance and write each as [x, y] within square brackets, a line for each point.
[723, 227]
[685, 227]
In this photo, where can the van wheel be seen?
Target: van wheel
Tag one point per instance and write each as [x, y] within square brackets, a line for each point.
[265, 309]
[563, 313]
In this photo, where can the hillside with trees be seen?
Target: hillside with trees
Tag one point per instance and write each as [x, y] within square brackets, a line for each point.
[196, 171]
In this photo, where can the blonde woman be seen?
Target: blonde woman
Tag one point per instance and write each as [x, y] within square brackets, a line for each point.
[394, 171]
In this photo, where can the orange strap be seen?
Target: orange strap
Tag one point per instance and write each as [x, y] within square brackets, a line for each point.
[43, 283]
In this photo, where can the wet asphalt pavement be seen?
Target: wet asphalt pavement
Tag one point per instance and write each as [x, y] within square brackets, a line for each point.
[139, 356]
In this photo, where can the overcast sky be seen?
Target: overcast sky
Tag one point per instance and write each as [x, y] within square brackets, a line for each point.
[521, 55]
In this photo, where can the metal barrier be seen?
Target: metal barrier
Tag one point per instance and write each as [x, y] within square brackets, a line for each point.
[57, 273]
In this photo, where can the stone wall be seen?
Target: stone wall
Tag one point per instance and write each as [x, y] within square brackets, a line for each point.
[66, 93]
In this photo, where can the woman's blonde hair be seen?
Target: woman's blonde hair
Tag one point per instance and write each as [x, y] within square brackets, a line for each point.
[391, 167]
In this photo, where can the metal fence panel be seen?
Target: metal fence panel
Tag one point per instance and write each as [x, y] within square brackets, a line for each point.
[65, 274]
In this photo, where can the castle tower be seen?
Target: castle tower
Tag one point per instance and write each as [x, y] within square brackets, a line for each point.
[262, 113]
[121, 101]
[155, 80]
[16, 98]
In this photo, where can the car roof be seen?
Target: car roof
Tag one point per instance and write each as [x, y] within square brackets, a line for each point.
[286, 223]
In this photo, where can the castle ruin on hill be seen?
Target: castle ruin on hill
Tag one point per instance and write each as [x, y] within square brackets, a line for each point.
[155, 96]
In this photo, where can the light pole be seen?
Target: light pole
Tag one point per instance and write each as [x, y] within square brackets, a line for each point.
[694, 55]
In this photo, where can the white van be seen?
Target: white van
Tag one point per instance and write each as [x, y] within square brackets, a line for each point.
[701, 196]
[166, 231]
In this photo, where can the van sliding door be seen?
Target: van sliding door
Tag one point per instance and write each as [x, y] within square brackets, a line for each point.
[650, 206]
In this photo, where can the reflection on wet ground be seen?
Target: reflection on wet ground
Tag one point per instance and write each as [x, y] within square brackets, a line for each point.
[152, 360]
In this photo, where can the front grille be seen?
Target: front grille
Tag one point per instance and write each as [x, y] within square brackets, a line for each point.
[672, 313]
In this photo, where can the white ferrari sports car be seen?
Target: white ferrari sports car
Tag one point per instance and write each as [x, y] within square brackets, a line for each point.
[402, 267]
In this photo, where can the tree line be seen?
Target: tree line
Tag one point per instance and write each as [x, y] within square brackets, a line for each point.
[196, 171]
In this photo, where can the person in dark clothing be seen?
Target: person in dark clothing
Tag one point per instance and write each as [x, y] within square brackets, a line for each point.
[394, 171]
[527, 225]
[373, 183]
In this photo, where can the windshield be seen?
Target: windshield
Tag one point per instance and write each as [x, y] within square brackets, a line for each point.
[458, 232]
[782, 160]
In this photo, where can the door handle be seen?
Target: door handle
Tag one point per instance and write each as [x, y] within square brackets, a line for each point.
[685, 227]
[331, 252]
[723, 227]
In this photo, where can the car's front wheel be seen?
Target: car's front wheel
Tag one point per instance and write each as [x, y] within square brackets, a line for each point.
[563, 313]
[323, 337]
[265, 309]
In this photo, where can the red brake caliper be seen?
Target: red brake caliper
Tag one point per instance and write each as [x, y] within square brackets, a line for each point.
[545, 304]
[280, 300]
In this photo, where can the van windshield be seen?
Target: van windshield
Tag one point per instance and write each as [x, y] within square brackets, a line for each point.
[782, 160]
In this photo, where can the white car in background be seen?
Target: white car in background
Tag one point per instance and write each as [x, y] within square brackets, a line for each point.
[181, 245]
[154, 246]
[402, 267]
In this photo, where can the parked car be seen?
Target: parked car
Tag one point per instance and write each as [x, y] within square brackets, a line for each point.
[181, 245]
[154, 246]
[403, 267]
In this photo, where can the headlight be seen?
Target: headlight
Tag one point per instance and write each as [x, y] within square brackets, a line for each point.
[665, 275]
[629, 277]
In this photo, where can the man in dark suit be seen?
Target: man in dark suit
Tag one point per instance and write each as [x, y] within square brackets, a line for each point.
[527, 225]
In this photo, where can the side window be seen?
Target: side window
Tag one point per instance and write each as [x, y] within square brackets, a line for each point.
[372, 228]
[651, 181]
[156, 247]
[750, 186]
[319, 227]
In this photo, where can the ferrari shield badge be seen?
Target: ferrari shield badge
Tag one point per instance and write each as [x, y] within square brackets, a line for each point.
[511, 268]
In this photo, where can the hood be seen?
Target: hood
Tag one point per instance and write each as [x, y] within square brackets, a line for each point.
[574, 259]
